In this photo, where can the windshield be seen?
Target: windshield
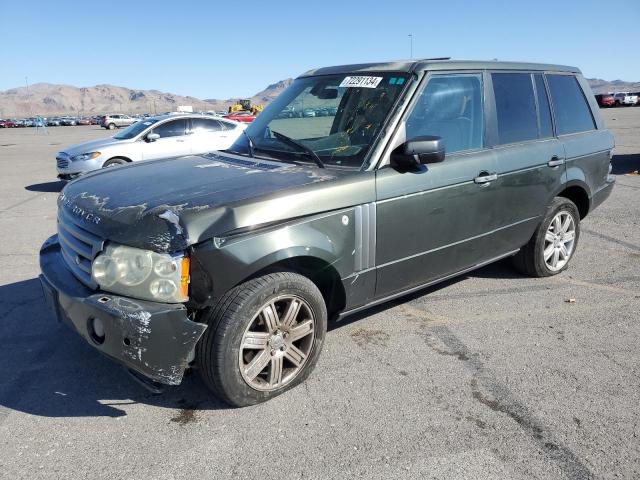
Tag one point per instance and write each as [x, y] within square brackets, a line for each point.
[135, 129]
[330, 120]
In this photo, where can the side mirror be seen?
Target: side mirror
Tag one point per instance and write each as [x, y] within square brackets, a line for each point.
[418, 151]
[152, 137]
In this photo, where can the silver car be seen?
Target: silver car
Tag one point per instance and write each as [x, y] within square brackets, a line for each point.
[151, 138]
[116, 121]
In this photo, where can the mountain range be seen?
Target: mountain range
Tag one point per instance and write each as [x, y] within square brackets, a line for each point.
[49, 99]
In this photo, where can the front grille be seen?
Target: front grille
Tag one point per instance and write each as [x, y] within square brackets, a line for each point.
[62, 160]
[79, 247]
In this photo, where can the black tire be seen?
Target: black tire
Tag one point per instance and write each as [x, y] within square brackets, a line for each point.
[114, 162]
[530, 259]
[111, 126]
[218, 351]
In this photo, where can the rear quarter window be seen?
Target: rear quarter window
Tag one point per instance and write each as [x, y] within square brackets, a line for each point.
[570, 107]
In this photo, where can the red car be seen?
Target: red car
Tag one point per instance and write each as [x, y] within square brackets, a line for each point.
[246, 117]
[606, 100]
[7, 124]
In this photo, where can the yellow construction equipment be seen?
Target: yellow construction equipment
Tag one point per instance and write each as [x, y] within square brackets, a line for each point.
[244, 105]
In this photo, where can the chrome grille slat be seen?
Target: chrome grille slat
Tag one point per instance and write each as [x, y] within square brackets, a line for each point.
[78, 246]
[80, 233]
[62, 160]
[74, 244]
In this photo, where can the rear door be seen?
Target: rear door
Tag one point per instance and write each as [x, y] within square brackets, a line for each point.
[172, 141]
[530, 159]
[206, 135]
[587, 147]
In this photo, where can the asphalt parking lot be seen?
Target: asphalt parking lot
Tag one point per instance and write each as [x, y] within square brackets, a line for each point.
[491, 375]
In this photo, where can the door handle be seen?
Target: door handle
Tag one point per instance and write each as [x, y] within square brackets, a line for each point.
[485, 177]
[555, 161]
[181, 141]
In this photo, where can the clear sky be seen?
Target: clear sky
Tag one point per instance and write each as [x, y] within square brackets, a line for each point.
[222, 49]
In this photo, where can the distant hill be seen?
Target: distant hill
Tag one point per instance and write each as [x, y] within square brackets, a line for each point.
[603, 86]
[49, 99]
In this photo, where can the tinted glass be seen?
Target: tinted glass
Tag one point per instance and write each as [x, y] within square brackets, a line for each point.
[450, 106]
[570, 108]
[174, 128]
[199, 125]
[546, 130]
[515, 107]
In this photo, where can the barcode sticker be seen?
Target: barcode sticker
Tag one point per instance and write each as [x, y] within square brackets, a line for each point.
[361, 82]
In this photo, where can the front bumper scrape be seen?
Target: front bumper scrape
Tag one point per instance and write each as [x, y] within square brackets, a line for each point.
[153, 339]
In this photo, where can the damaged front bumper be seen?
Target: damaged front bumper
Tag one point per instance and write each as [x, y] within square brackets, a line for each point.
[153, 339]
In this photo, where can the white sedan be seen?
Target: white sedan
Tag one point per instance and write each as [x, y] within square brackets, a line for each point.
[151, 138]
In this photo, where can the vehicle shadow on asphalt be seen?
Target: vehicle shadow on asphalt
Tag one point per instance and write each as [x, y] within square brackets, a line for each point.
[627, 163]
[46, 187]
[48, 370]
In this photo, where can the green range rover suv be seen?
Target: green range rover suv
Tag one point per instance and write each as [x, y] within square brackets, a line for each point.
[406, 174]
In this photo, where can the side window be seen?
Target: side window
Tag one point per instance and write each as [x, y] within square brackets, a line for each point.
[515, 107]
[570, 107]
[201, 125]
[174, 128]
[544, 112]
[450, 106]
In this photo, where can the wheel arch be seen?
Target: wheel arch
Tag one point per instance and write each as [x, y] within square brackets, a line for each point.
[126, 159]
[317, 270]
[578, 193]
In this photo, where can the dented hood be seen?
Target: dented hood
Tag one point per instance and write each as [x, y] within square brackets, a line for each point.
[167, 205]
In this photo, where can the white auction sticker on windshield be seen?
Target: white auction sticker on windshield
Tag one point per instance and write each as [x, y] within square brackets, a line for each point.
[361, 82]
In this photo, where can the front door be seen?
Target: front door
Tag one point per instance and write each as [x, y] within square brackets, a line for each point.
[172, 142]
[438, 220]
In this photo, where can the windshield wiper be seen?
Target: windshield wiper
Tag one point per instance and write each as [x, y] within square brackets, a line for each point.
[251, 147]
[299, 145]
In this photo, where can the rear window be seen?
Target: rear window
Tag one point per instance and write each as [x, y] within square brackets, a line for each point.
[570, 106]
[515, 107]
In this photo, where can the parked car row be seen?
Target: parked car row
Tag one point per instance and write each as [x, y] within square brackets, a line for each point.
[294, 112]
[618, 99]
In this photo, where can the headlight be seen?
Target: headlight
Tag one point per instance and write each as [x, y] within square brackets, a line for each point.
[85, 156]
[142, 273]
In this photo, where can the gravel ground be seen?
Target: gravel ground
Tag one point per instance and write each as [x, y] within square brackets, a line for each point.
[491, 375]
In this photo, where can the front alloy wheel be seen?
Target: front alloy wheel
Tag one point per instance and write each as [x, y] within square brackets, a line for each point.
[263, 338]
[277, 343]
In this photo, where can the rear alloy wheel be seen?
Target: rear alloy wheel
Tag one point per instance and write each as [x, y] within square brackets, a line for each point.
[263, 338]
[553, 243]
[559, 241]
[111, 126]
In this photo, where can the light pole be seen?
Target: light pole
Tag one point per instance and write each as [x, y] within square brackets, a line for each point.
[410, 46]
